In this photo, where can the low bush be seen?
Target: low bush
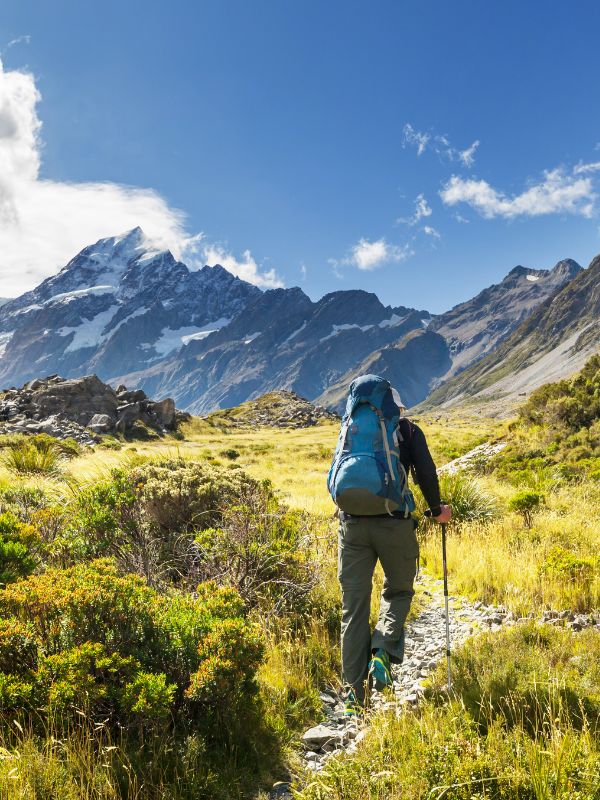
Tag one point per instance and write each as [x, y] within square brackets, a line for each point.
[470, 503]
[87, 639]
[261, 549]
[19, 548]
[526, 503]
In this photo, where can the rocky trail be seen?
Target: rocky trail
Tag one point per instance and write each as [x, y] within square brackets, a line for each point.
[425, 649]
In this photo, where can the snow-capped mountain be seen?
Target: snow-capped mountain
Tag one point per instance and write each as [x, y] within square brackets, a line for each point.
[281, 340]
[132, 313]
[120, 305]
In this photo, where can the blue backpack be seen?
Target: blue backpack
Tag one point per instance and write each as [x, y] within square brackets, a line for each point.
[366, 476]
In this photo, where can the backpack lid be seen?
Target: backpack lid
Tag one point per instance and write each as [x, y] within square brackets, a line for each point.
[374, 390]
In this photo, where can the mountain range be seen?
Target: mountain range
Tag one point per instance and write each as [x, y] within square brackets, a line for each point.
[133, 314]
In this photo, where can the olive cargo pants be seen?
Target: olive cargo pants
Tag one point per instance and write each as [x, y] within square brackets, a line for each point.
[362, 541]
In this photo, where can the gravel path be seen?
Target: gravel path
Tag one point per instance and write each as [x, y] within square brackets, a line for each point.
[425, 648]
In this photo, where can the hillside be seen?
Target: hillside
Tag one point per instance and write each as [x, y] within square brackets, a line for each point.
[475, 328]
[552, 343]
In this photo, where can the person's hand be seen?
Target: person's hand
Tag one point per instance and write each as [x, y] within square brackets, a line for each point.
[445, 514]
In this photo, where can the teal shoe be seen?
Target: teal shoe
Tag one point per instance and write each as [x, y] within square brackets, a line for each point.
[352, 707]
[380, 670]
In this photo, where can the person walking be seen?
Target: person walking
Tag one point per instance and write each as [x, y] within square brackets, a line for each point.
[377, 449]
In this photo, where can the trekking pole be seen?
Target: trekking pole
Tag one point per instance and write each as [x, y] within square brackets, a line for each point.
[446, 603]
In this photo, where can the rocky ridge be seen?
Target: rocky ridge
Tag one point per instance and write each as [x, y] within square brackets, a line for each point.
[280, 409]
[82, 409]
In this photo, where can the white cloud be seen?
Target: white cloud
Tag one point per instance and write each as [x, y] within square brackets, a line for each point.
[303, 271]
[583, 169]
[368, 255]
[468, 156]
[438, 144]
[245, 268]
[44, 223]
[431, 232]
[419, 139]
[422, 210]
[559, 191]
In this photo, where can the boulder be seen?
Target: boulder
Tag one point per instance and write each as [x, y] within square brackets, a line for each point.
[322, 735]
[128, 414]
[164, 410]
[101, 423]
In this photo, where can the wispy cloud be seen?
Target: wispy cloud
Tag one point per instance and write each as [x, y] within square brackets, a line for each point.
[468, 156]
[584, 169]
[43, 223]
[25, 39]
[558, 192]
[429, 231]
[438, 144]
[422, 210]
[367, 255]
[245, 267]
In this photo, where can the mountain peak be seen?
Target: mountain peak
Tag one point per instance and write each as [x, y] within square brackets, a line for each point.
[567, 267]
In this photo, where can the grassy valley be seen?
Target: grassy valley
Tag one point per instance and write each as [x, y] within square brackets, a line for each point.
[170, 613]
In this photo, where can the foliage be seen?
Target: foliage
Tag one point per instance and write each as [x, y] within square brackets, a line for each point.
[557, 434]
[18, 546]
[87, 638]
[515, 729]
[525, 503]
[469, 501]
[571, 404]
[261, 550]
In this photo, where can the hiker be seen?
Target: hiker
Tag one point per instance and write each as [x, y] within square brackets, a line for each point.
[377, 448]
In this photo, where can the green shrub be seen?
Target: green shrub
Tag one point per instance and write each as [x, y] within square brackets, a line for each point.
[261, 549]
[18, 545]
[572, 404]
[230, 453]
[526, 503]
[570, 566]
[22, 501]
[89, 639]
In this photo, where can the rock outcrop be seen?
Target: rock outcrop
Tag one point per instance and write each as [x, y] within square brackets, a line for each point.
[280, 409]
[81, 408]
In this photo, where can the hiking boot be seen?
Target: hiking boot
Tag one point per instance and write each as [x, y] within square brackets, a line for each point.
[380, 670]
[352, 708]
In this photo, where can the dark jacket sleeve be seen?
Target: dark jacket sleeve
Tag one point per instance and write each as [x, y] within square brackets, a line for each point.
[424, 468]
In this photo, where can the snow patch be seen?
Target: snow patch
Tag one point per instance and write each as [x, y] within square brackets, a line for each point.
[426, 322]
[295, 333]
[66, 297]
[137, 313]
[532, 277]
[89, 333]
[392, 321]
[252, 337]
[174, 338]
[4, 340]
[345, 327]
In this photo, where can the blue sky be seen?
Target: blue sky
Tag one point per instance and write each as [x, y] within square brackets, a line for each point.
[419, 150]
